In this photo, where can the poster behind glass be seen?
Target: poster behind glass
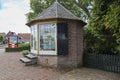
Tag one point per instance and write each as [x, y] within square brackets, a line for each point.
[47, 37]
[33, 37]
[13, 40]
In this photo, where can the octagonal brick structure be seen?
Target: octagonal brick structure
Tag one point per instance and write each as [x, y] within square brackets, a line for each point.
[57, 37]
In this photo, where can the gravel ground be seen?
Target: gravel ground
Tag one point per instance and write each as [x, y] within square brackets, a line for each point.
[11, 68]
[89, 74]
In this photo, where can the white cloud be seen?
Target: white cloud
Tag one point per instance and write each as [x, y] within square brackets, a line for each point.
[12, 16]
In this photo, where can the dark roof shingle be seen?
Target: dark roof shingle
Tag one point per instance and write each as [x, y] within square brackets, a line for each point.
[56, 10]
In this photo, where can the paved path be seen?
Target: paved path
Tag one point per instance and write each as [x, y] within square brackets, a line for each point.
[13, 69]
[2, 50]
[89, 74]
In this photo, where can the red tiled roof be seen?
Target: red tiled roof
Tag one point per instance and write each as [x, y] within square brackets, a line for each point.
[2, 33]
[24, 35]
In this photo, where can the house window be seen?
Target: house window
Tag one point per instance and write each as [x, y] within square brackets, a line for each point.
[34, 38]
[47, 37]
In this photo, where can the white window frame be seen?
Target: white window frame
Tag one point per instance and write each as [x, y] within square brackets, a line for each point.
[34, 33]
[45, 52]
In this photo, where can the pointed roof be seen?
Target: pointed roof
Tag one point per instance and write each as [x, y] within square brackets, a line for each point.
[56, 10]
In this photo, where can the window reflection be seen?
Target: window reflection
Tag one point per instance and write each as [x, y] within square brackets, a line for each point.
[33, 37]
[47, 37]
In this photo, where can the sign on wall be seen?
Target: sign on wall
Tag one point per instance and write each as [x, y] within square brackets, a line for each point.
[13, 42]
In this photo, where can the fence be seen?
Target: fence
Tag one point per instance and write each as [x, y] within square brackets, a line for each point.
[102, 61]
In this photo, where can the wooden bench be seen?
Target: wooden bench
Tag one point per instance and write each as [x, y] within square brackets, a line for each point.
[29, 59]
[25, 60]
[31, 56]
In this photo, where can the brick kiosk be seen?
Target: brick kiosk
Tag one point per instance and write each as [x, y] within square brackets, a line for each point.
[57, 37]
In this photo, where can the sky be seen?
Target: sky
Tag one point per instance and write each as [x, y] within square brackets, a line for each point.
[12, 16]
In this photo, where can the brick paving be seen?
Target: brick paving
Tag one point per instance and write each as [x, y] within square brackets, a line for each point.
[13, 69]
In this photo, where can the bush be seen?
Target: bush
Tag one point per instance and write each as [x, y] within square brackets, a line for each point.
[21, 47]
[17, 49]
[25, 52]
[24, 45]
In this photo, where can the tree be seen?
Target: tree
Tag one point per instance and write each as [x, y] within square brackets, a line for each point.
[86, 6]
[37, 6]
[1, 38]
[104, 27]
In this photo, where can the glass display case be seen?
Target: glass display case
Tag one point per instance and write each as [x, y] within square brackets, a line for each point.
[47, 37]
[34, 38]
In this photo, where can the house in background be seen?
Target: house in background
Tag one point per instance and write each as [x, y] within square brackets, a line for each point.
[8, 35]
[23, 37]
[2, 33]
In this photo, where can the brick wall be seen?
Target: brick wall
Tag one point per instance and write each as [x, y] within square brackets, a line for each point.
[48, 61]
[74, 57]
[75, 48]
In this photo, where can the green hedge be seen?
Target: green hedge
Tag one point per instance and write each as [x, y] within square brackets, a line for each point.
[20, 48]
[24, 45]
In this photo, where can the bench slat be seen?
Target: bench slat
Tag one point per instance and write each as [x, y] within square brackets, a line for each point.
[24, 59]
[31, 56]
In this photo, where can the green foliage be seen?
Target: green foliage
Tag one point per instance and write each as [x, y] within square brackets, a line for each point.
[37, 6]
[21, 47]
[1, 38]
[24, 45]
[71, 6]
[103, 32]
[25, 52]
[86, 6]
